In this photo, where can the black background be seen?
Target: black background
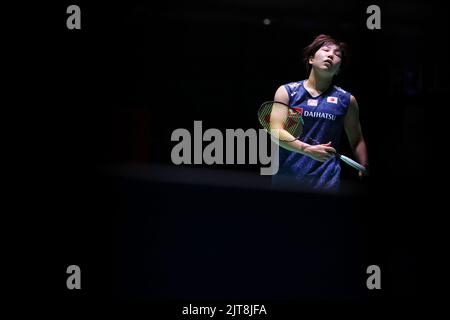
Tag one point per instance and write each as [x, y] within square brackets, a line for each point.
[112, 93]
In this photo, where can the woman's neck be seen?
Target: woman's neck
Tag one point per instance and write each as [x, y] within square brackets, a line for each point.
[318, 82]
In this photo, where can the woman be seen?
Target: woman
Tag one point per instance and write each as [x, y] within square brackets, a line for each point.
[326, 110]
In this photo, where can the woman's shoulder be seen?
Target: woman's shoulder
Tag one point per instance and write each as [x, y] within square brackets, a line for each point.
[343, 94]
[337, 94]
[339, 89]
[294, 84]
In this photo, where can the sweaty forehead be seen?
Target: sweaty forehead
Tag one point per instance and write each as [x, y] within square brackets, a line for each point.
[331, 46]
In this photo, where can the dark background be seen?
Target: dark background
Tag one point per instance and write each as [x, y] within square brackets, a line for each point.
[162, 236]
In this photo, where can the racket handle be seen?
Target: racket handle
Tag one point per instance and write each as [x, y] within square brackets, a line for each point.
[353, 163]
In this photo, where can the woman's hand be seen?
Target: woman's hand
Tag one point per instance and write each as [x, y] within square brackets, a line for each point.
[320, 152]
[361, 174]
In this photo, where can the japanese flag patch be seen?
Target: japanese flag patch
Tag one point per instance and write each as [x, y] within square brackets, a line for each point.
[332, 99]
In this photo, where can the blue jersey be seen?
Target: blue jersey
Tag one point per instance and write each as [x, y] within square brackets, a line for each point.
[323, 117]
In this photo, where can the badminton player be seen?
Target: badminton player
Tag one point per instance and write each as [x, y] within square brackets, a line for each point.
[327, 110]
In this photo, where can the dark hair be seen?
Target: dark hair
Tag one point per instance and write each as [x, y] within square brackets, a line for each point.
[320, 41]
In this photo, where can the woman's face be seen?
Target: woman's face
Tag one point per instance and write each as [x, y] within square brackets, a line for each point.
[327, 59]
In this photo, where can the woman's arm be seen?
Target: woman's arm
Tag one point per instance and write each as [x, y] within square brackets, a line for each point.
[354, 133]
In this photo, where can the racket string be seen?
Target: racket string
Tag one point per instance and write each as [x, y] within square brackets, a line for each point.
[293, 122]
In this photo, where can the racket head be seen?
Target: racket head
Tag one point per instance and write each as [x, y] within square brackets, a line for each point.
[274, 115]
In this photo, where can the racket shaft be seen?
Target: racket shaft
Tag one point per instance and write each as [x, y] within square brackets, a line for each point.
[353, 163]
